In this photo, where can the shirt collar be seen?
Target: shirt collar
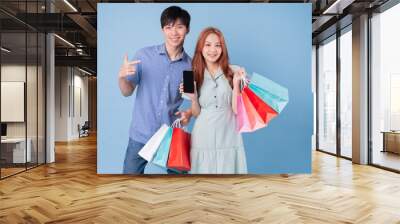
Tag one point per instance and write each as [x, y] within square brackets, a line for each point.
[163, 51]
[217, 75]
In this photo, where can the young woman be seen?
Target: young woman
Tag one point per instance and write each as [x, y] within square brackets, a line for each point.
[216, 146]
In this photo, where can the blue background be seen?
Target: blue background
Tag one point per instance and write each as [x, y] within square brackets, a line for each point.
[270, 39]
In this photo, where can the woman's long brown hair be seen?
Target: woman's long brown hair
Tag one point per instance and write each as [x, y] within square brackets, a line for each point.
[198, 62]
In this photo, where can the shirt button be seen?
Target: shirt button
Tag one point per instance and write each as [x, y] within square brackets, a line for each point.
[216, 106]
[215, 96]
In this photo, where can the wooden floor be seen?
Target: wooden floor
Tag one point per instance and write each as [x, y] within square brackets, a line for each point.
[70, 191]
[387, 159]
[5, 172]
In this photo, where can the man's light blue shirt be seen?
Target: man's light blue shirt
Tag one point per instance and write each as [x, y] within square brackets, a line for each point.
[157, 90]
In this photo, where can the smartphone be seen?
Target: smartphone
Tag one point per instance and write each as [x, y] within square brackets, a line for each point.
[188, 82]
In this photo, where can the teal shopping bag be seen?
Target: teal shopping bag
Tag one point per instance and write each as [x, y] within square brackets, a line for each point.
[162, 153]
[273, 94]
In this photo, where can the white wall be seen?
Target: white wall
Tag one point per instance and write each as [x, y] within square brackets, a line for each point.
[61, 103]
[80, 89]
[15, 72]
[70, 83]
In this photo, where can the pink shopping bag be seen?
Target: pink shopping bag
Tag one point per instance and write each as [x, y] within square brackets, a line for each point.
[255, 120]
[242, 120]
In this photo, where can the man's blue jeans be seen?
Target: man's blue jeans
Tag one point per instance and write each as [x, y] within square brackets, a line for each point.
[135, 164]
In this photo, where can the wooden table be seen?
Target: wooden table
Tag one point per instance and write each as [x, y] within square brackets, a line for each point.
[13, 150]
[391, 141]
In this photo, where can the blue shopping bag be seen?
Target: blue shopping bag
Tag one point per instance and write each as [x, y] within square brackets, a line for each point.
[273, 94]
[162, 153]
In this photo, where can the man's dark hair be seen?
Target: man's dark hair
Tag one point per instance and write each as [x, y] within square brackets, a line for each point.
[173, 13]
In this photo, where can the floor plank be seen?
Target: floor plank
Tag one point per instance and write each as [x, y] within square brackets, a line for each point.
[70, 191]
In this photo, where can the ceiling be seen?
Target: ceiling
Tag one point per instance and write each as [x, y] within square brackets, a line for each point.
[76, 22]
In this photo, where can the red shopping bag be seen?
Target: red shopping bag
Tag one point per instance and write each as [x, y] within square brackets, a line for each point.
[265, 111]
[179, 152]
[255, 120]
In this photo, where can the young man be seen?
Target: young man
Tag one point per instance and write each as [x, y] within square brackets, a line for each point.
[156, 72]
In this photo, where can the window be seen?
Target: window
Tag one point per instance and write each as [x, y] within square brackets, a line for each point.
[327, 95]
[346, 74]
[22, 64]
[385, 89]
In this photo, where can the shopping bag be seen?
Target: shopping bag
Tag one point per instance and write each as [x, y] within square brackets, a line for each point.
[161, 156]
[273, 94]
[179, 152]
[265, 111]
[242, 120]
[150, 148]
[254, 118]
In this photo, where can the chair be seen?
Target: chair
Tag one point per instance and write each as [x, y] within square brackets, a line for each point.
[84, 130]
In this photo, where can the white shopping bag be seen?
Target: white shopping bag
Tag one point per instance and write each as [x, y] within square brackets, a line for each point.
[148, 151]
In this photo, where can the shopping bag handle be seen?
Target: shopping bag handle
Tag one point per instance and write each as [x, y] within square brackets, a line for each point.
[243, 83]
[177, 123]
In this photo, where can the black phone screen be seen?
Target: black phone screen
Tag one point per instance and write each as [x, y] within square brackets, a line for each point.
[188, 79]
